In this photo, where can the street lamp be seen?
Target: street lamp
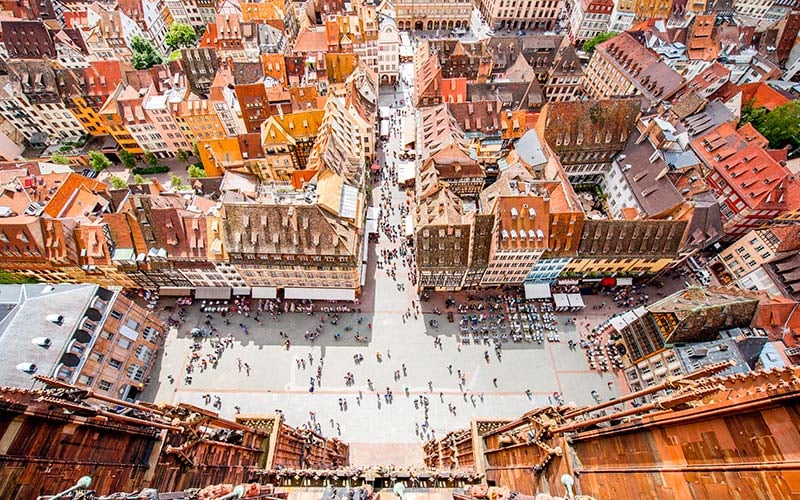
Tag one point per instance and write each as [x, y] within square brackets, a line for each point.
[82, 484]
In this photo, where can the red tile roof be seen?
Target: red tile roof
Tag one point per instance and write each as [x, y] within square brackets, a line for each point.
[762, 95]
[740, 159]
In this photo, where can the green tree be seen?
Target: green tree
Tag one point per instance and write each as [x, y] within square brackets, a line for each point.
[150, 159]
[118, 182]
[175, 181]
[196, 172]
[589, 45]
[127, 159]
[781, 126]
[145, 54]
[182, 155]
[98, 161]
[11, 278]
[180, 35]
[60, 159]
[138, 179]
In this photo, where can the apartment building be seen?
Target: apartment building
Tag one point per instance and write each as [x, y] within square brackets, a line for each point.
[538, 15]
[622, 66]
[589, 18]
[755, 248]
[85, 335]
[388, 52]
[587, 135]
[432, 15]
[31, 102]
[651, 9]
[306, 242]
[622, 16]
[752, 186]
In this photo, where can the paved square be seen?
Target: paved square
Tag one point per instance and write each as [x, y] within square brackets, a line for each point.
[378, 431]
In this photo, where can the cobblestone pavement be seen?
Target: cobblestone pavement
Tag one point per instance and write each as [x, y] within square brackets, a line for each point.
[377, 430]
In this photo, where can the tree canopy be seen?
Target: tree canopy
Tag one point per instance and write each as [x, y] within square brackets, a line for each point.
[118, 182]
[196, 171]
[60, 159]
[780, 126]
[589, 45]
[180, 35]
[127, 158]
[145, 54]
[98, 161]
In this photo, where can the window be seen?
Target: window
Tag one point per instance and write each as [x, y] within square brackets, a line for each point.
[116, 314]
[85, 380]
[96, 356]
[124, 343]
[143, 353]
[104, 385]
[115, 363]
[658, 364]
[150, 334]
[135, 372]
[132, 324]
[108, 335]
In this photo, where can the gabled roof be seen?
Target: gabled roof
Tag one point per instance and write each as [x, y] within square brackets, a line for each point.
[311, 40]
[642, 67]
[762, 95]
[589, 125]
[740, 159]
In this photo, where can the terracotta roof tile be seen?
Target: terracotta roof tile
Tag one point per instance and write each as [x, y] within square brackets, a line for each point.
[762, 95]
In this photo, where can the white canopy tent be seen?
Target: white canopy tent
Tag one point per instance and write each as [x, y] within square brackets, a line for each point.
[264, 292]
[575, 301]
[320, 293]
[537, 291]
[213, 292]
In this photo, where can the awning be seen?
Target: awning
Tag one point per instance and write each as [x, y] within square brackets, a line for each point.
[320, 293]
[567, 281]
[406, 171]
[409, 226]
[624, 281]
[372, 226]
[384, 128]
[575, 300]
[213, 292]
[537, 290]
[560, 300]
[608, 281]
[409, 133]
[363, 274]
[264, 292]
[241, 290]
[174, 291]
[373, 212]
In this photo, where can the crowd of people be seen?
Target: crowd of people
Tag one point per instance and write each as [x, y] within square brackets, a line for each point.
[395, 258]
